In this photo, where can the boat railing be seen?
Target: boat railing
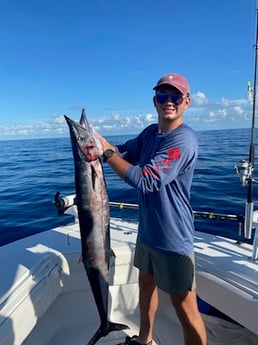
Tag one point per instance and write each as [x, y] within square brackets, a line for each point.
[63, 203]
[67, 204]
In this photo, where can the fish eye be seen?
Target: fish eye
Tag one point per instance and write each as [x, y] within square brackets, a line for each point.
[79, 138]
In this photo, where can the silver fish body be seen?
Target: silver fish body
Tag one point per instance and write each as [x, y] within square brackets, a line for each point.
[94, 218]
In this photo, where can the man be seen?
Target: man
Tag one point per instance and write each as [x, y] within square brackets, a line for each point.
[160, 163]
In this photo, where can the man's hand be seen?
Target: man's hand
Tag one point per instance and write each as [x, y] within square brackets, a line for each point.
[117, 163]
[105, 143]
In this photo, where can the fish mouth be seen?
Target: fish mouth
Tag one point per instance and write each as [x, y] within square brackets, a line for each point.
[83, 137]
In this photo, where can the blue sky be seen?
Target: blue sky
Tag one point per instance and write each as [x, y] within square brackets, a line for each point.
[59, 56]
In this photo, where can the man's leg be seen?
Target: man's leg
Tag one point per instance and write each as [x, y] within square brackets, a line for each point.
[192, 323]
[148, 302]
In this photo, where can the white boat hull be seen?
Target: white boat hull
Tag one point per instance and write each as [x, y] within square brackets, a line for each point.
[45, 297]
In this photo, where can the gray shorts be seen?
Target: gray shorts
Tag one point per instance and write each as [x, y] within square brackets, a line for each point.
[174, 274]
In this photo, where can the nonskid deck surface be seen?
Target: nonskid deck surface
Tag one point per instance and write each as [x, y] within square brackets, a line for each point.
[167, 332]
[114, 338]
[72, 319]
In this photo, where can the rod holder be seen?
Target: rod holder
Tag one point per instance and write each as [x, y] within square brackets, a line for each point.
[248, 226]
[255, 246]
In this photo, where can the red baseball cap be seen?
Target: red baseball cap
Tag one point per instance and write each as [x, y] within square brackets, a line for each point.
[176, 80]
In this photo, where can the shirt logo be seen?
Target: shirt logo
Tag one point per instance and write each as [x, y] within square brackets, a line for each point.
[174, 153]
[164, 164]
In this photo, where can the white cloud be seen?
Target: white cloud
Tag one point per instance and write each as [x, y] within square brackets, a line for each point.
[199, 98]
[239, 110]
[227, 113]
[150, 118]
[59, 119]
[202, 114]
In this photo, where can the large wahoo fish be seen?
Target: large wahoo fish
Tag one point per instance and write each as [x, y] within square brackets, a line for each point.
[93, 214]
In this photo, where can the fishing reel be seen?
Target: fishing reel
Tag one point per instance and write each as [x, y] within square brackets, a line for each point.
[245, 170]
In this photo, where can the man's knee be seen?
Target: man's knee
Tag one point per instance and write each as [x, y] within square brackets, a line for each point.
[185, 304]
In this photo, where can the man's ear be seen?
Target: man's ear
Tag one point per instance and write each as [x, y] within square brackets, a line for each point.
[188, 102]
[154, 101]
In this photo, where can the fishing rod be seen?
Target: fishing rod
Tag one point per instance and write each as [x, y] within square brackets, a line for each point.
[246, 169]
[249, 207]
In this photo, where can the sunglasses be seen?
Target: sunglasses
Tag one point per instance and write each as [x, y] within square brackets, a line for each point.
[176, 98]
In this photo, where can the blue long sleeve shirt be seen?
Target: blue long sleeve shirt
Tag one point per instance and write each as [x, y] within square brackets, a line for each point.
[162, 171]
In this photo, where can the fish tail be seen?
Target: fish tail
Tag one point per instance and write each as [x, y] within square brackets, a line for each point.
[113, 326]
[104, 331]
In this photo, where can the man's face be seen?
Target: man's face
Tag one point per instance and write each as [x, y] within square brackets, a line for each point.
[170, 104]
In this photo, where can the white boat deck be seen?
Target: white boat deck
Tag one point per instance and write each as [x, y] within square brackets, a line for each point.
[227, 278]
[41, 282]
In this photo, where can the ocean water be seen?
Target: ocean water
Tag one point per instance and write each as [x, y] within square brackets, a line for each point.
[32, 171]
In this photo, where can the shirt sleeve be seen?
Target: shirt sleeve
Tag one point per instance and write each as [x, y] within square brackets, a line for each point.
[173, 157]
[128, 151]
